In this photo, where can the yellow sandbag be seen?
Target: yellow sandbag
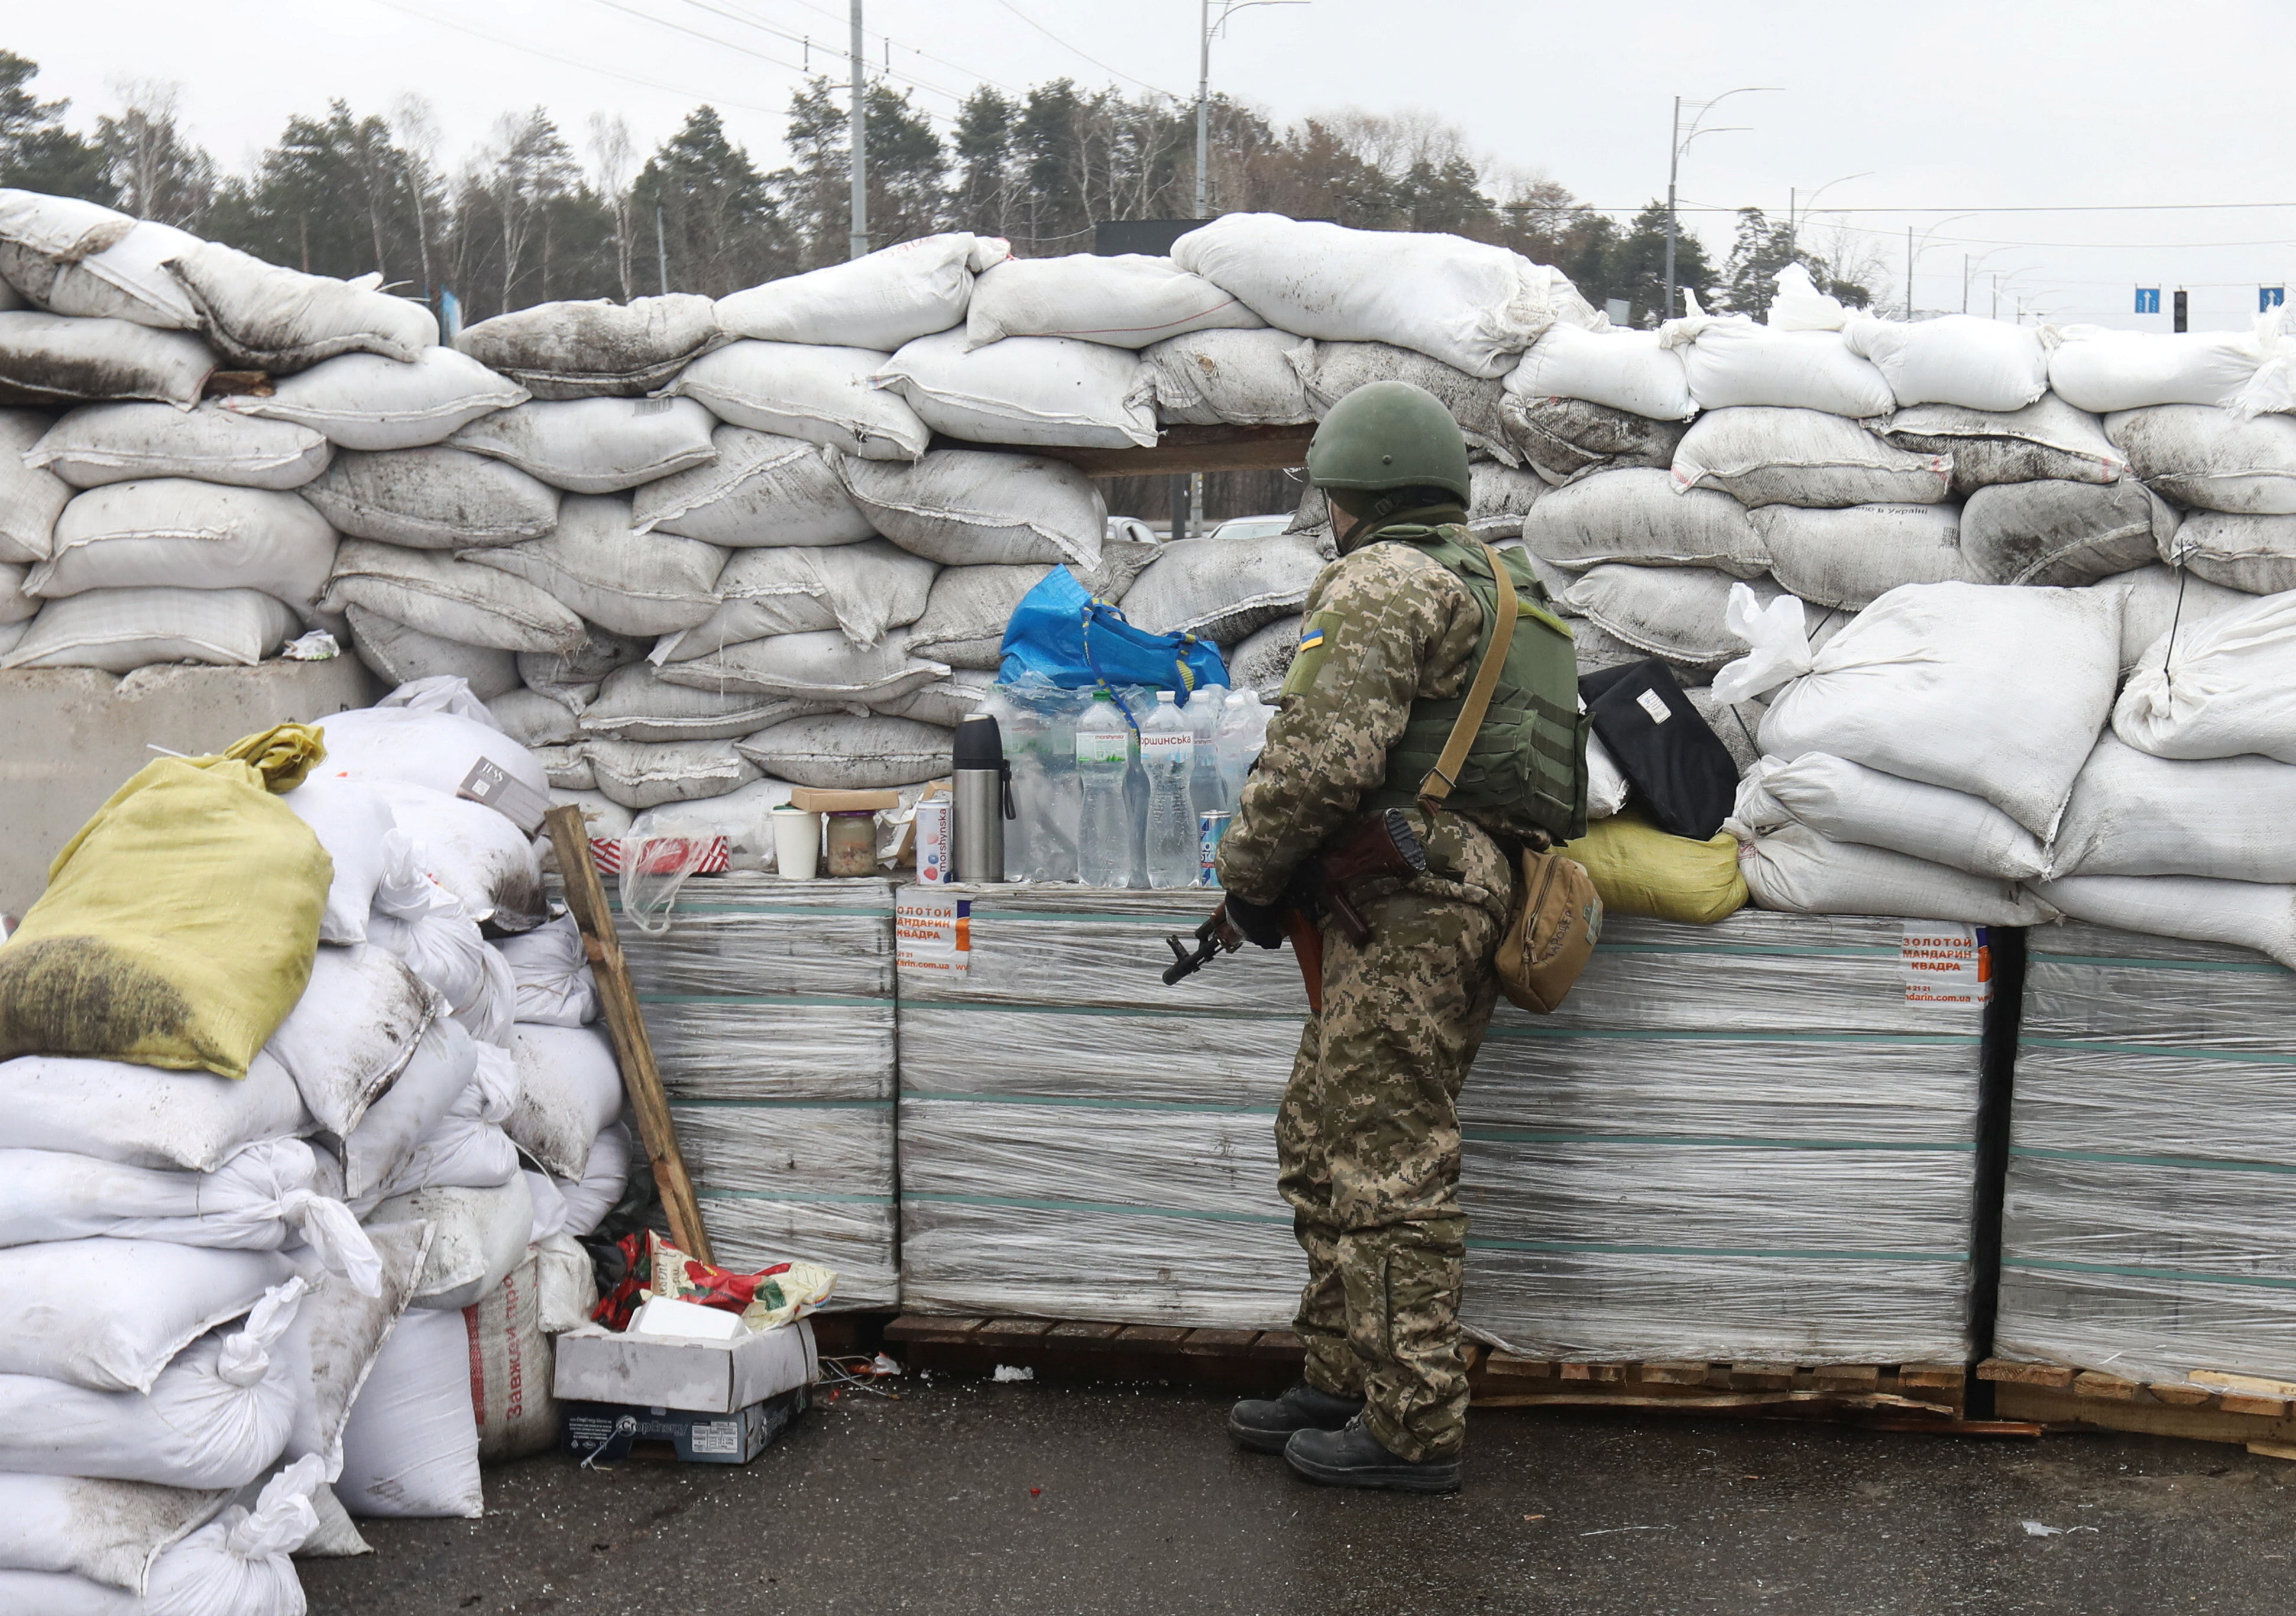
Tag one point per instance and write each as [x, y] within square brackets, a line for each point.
[179, 925]
[1641, 870]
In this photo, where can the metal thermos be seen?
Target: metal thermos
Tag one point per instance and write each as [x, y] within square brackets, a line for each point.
[983, 798]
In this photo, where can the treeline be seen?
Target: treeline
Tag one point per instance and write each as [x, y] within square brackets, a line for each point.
[535, 215]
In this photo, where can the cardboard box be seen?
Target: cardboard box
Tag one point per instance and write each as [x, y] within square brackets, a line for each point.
[608, 1431]
[821, 799]
[598, 1365]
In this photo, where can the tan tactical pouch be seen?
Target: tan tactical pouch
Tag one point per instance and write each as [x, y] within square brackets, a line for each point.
[1556, 917]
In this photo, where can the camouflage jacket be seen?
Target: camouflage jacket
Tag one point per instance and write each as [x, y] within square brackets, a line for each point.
[1385, 626]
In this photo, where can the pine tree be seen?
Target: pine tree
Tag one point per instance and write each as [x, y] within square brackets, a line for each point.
[719, 229]
[36, 152]
[156, 173]
[983, 197]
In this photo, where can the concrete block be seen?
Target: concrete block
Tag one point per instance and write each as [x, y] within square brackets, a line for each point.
[70, 736]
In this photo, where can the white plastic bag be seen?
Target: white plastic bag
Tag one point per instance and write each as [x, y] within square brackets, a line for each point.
[1958, 359]
[411, 1445]
[2219, 688]
[2156, 599]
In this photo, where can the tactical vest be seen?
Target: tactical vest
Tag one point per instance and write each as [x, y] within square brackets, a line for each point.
[1526, 770]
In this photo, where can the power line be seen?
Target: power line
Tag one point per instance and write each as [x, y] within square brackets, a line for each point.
[813, 6]
[782, 33]
[1096, 62]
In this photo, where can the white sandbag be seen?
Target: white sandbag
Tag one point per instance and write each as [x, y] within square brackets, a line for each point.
[640, 774]
[173, 533]
[433, 498]
[2063, 534]
[1848, 803]
[61, 228]
[845, 753]
[2250, 554]
[1606, 787]
[218, 1416]
[575, 675]
[411, 1445]
[2134, 814]
[440, 1070]
[632, 583]
[109, 1314]
[1676, 614]
[605, 1173]
[819, 666]
[965, 617]
[1471, 306]
[30, 498]
[478, 1236]
[1500, 496]
[363, 401]
[266, 317]
[1221, 589]
[120, 630]
[743, 816]
[570, 1088]
[2047, 439]
[426, 926]
[109, 1109]
[1919, 686]
[566, 1287]
[555, 987]
[102, 443]
[352, 1033]
[464, 1149]
[262, 1199]
[594, 446]
[1731, 362]
[1852, 556]
[761, 489]
[416, 746]
[1331, 371]
[17, 608]
[396, 654]
[2229, 688]
[1232, 378]
[480, 856]
[2199, 455]
[595, 348]
[1122, 561]
[1637, 516]
[860, 590]
[1125, 300]
[1954, 359]
[1564, 440]
[970, 507]
[945, 701]
[879, 300]
[510, 1365]
[339, 1331]
[1262, 659]
[820, 394]
[1797, 870]
[448, 598]
[637, 704]
[2241, 914]
[351, 822]
[1622, 370]
[535, 720]
[125, 279]
[1804, 457]
[56, 359]
[2155, 599]
[2101, 370]
[1048, 390]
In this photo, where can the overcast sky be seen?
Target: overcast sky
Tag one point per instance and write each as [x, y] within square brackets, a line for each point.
[1950, 105]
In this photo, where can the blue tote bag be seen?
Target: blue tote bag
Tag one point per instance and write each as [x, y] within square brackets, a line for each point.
[1059, 632]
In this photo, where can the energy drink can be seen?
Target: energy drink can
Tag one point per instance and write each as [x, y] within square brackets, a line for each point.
[1210, 828]
[933, 842]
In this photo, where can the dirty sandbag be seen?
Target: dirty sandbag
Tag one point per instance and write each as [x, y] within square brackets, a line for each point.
[821, 394]
[2047, 439]
[2063, 534]
[109, 1314]
[964, 616]
[106, 443]
[836, 753]
[364, 401]
[569, 1090]
[975, 507]
[1221, 589]
[2243, 913]
[483, 858]
[2155, 599]
[1848, 803]
[2216, 689]
[861, 590]
[880, 299]
[1797, 870]
[438, 595]
[1563, 439]
[437, 748]
[594, 446]
[1851, 556]
[263, 316]
[396, 654]
[1639, 869]
[174, 532]
[762, 489]
[121, 630]
[596, 348]
[56, 359]
[179, 923]
[411, 1443]
[433, 498]
[478, 1236]
[1637, 515]
[637, 704]
[109, 1109]
[30, 498]
[596, 564]
[1774, 456]
[644, 773]
[1043, 390]
[510, 1361]
[556, 985]
[2210, 458]
[1122, 299]
[1331, 371]
[353, 1030]
[1233, 378]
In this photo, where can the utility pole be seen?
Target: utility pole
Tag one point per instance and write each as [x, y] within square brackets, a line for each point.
[1964, 283]
[660, 249]
[1909, 272]
[857, 137]
[1205, 110]
[1673, 167]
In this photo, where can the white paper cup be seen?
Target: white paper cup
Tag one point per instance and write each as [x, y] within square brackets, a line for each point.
[797, 843]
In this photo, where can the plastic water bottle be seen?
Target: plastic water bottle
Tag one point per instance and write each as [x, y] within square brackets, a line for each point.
[1206, 794]
[1103, 755]
[1168, 756]
[1242, 732]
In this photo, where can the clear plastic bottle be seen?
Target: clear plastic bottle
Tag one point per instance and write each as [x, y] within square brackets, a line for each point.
[1205, 794]
[1168, 755]
[1104, 756]
[1242, 732]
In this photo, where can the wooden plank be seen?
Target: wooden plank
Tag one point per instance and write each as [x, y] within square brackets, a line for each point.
[1604, 1374]
[1004, 1330]
[916, 1327]
[1938, 1377]
[586, 897]
[2265, 1407]
[2249, 1385]
[2274, 1450]
[1081, 1332]
[1518, 1368]
[2095, 1383]
[1682, 1372]
[1164, 1338]
[2010, 1373]
[1219, 1343]
[1847, 1377]
[2181, 1397]
[2055, 1406]
[1278, 1344]
[1195, 448]
[1762, 1377]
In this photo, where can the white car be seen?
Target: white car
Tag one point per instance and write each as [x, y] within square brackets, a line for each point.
[1251, 527]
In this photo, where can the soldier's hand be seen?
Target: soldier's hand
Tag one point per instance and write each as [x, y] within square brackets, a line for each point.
[1260, 923]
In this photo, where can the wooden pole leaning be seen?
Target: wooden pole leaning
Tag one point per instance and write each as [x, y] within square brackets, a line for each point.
[585, 897]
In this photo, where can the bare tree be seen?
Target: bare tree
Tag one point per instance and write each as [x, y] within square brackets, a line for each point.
[613, 165]
[417, 127]
[158, 173]
[525, 167]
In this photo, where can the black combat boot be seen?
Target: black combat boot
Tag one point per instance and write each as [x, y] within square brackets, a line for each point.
[1263, 1424]
[1351, 1457]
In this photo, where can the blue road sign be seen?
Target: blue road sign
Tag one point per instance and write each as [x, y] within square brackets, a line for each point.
[2148, 300]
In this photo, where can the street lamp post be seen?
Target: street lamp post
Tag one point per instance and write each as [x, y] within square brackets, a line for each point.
[1913, 250]
[1794, 219]
[857, 137]
[1678, 145]
[1206, 26]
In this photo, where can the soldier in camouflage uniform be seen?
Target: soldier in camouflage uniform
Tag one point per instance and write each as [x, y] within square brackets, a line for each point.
[1368, 1134]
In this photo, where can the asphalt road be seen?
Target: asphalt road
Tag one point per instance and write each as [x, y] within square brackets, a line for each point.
[966, 1498]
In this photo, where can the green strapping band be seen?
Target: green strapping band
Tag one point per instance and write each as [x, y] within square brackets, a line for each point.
[2250, 967]
[1177, 1013]
[2166, 1052]
[703, 1194]
[2199, 1164]
[2129, 1271]
[1721, 1142]
[1209, 1107]
[679, 1104]
[1911, 1040]
[829, 1001]
[1569, 1247]
[1033, 1204]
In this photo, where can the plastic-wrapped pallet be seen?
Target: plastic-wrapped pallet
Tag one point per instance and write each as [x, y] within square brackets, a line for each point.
[1078, 1140]
[770, 1006]
[1751, 1141]
[2147, 1210]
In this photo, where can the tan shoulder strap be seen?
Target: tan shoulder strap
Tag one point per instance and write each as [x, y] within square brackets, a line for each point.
[1445, 774]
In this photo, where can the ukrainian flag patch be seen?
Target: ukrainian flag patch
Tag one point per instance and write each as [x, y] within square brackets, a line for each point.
[1311, 637]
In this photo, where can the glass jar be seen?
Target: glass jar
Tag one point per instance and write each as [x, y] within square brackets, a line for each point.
[853, 842]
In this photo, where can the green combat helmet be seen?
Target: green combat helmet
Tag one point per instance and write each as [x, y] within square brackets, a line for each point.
[1389, 435]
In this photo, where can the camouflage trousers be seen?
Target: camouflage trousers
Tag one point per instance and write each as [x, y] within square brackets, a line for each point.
[1367, 1142]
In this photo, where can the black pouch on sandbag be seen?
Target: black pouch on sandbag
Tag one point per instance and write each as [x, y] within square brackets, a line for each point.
[1678, 767]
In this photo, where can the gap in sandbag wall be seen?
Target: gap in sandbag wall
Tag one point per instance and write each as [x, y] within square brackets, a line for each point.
[1225, 494]
[1995, 1096]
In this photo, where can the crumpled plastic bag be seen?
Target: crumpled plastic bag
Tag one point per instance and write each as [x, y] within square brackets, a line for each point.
[773, 1296]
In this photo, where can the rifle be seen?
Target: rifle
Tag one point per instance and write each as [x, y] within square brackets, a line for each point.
[1384, 845]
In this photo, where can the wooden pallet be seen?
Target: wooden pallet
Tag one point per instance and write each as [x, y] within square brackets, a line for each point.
[2206, 1408]
[1090, 1349]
